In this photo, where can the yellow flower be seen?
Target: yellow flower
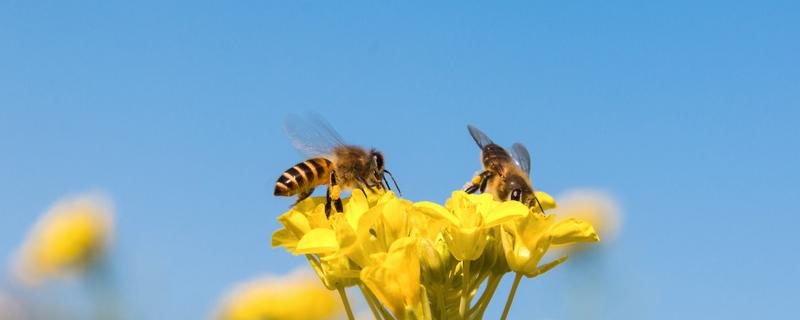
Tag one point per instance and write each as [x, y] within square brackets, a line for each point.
[394, 277]
[595, 207]
[296, 296]
[467, 218]
[546, 200]
[339, 245]
[525, 241]
[69, 237]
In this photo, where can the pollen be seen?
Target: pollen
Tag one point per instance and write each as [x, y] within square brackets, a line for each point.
[476, 179]
[336, 192]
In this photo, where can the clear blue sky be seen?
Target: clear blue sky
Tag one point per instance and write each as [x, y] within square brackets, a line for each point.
[686, 111]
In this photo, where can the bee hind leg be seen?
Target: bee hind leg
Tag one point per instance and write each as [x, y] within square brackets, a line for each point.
[333, 197]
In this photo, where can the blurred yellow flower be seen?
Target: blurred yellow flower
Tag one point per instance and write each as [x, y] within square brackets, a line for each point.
[297, 296]
[68, 238]
[595, 207]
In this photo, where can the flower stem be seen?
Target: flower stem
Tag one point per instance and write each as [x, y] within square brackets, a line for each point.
[370, 302]
[511, 296]
[346, 303]
[462, 309]
[370, 297]
[487, 295]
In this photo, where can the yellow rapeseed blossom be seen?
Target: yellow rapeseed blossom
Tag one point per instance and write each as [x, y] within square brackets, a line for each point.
[424, 260]
[468, 218]
[525, 241]
[68, 238]
[395, 277]
[297, 296]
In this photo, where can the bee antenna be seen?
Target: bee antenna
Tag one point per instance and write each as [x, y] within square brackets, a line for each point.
[539, 203]
[400, 193]
[386, 182]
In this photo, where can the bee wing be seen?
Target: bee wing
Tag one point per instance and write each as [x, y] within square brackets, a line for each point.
[480, 138]
[521, 156]
[311, 135]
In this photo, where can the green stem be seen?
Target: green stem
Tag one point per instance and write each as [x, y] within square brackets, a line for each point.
[346, 303]
[442, 304]
[488, 294]
[511, 296]
[462, 309]
[381, 309]
[370, 302]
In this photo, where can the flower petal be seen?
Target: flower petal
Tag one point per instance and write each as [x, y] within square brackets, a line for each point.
[573, 230]
[284, 238]
[504, 212]
[436, 211]
[546, 200]
[318, 240]
[394, 276]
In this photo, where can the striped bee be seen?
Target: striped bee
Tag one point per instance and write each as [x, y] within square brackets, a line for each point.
[331, 162]
[505, 175]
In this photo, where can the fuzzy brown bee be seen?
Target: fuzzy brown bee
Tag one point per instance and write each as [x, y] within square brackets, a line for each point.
[505, 175]
[332, 163]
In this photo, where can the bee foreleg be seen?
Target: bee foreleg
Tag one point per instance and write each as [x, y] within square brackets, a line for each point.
[365, 184]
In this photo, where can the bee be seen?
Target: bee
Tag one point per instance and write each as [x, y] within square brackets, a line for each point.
[331, 162]
[506, 175]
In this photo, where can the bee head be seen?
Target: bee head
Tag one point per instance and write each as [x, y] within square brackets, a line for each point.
[376, 161]
[517, 188]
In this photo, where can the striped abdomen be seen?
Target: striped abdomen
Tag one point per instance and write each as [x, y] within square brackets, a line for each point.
[303, 176]
[495, 157]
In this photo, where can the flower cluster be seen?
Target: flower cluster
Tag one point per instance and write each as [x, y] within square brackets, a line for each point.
[424, 260]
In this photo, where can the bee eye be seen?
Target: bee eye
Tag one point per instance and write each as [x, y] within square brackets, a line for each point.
[377, 160]
[516, 194]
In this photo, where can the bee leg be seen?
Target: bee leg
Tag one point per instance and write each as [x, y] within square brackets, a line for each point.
[364, 184]
[333, 196]
[485, 182]
[478, 182]
[328, 203]
[338, 205]
[303, 195]
[379, 184]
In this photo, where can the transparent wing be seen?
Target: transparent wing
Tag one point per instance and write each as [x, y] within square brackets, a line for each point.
[311, 135]
[521, 156]
[480, 138]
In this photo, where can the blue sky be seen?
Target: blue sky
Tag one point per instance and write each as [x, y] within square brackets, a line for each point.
[685, 111]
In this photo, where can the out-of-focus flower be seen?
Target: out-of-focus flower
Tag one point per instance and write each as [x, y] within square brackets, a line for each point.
[297, 296]
[68, 238]
[525, 241]
[595, 207]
